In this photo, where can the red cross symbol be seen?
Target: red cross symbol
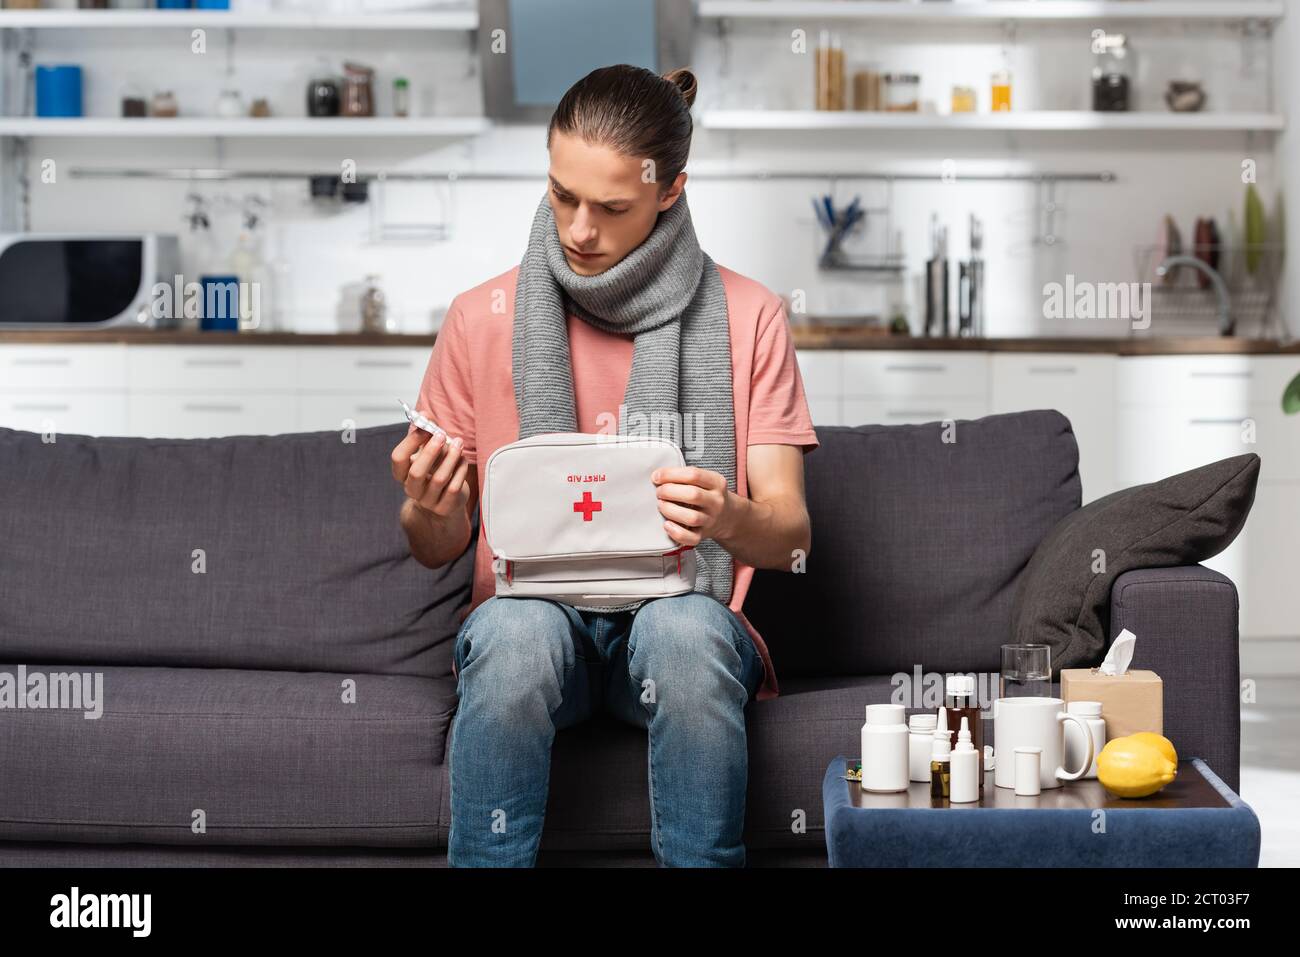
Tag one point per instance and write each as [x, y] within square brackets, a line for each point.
[586, 506]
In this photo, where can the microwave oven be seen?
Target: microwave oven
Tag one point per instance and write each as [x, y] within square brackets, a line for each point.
[85, 280]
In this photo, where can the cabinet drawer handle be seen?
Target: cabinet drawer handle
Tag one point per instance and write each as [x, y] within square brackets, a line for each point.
[1236, 421]
[916, 367]
[383, 363]
[213, 407]
[231, 362]
[44, 361]
[377, 408]
[1241, 374]
[1053, 370]
[42, 406]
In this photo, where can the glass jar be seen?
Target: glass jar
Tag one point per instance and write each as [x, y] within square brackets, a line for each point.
[867, 88]
[164, 104]
[1000, 91]
[1111, 70]
[401, 97]
[358, 93]
[323, 96]
[829, 78]
[230, 105]
[902, 92]
[963, 99]
[374, 307]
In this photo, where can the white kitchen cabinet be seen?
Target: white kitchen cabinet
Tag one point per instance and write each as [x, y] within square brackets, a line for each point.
[822, 371]
[64, 412]
[1214, 380]
[889, 374]
[395, 371]
[77, 389]
[1080, 387]
[1260, 563]
[232, 369]
[1179, 412]
[60, 368]
[195, 415]
[327, 411]
[915, 411]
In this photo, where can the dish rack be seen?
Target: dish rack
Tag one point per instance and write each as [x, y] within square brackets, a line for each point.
[1181, 306]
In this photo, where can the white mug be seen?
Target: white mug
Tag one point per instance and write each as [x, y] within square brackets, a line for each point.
[1036, 723]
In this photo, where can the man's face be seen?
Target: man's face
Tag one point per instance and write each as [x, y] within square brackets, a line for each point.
[604, 204]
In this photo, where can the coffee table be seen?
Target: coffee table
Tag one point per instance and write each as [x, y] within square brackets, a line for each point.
[1195, 821]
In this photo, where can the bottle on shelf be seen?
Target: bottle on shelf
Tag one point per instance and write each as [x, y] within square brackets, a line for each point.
[940, 765]
[964, 765]
[960, 704]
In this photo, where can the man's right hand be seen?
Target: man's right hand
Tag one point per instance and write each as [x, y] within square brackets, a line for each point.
[435, 515]
[435, 477]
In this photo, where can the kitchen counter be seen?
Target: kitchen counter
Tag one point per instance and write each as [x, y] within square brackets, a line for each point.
[805, 338]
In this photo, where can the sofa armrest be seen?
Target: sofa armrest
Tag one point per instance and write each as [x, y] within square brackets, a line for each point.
[1185, 620]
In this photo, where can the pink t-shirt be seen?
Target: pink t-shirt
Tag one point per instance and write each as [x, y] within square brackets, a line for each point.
[469, 391]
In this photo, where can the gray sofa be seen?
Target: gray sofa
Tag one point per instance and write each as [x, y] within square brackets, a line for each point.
[277, 684]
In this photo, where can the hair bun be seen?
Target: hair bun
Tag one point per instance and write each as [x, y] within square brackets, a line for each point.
[686, 84]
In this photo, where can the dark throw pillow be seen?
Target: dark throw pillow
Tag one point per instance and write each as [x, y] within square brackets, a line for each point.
[1063, 599]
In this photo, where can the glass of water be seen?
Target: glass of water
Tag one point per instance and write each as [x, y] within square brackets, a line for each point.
[1026, 671]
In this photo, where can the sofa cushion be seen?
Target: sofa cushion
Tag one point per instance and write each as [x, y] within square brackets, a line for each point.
[917, 544]
[268, 757]
[1064, 597]
[305, 567]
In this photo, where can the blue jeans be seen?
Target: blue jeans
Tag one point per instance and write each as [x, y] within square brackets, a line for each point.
[682, 667]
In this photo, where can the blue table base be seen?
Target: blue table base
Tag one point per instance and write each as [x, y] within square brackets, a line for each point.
[973, 836]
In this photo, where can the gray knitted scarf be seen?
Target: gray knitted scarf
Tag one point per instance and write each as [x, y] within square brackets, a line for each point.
[668, 294]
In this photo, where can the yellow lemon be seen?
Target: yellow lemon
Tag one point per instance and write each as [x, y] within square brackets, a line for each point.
[1158, 741]
[1133, 767]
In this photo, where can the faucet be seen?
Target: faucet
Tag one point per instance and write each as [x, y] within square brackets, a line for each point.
[1220, 287]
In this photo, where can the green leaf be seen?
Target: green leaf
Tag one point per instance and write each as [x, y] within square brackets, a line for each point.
[1291, 397]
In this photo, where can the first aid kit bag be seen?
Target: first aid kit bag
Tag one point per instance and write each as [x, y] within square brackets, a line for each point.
[574, 517]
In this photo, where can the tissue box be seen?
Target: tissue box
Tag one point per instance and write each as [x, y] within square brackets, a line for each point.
[1131, 702]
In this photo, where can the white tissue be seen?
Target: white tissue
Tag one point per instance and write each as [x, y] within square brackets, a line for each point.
[1120, 654]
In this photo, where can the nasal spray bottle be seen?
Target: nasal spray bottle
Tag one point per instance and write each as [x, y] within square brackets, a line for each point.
[939, 760]
[964, 761]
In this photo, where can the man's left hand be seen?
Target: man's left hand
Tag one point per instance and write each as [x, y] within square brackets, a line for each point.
[695, 503]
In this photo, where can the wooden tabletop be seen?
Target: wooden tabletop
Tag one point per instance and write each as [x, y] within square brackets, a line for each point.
[1188, 789]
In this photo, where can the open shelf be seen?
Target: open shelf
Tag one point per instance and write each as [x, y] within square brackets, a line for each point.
[451, 19]
[291, 127]
[1035, 121]
[994, 10]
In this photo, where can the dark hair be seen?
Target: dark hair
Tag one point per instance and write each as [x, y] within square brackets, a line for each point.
[633, 111]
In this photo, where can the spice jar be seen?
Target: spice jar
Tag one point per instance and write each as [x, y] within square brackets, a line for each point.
[830, 72]
[401, 97]
[229, 105]
[323, 96]
[164, 104]
[358, 94]
[902, 92]
[867, 85]
[1000, 91]
[374, 308]
[1110, 72]
[963, 99]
